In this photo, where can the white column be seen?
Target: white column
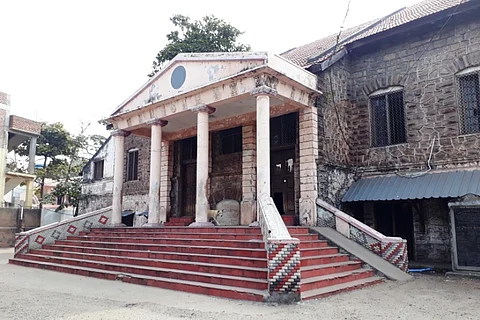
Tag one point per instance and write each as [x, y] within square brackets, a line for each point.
[263, 94]
[119, 143]
[201, 209]
[154, 219]
[31, 170]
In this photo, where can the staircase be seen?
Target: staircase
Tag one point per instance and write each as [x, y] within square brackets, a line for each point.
[228, 262]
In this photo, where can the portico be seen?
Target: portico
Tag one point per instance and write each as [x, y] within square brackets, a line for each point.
[205, 98]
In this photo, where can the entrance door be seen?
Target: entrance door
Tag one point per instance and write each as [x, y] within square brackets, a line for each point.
[282, 182]
[189, 189]
[188, 174]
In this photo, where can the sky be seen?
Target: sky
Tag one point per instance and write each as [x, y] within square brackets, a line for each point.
[75, 61]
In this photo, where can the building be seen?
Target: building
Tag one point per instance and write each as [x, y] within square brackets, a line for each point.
[15, 130]
[393, 140]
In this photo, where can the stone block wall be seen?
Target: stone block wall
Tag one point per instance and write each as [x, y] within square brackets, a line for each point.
[426, 70]
[432, 231]
[142, 184]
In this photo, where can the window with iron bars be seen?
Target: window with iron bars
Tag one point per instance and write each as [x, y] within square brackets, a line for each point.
[468, 85]
[132, 165]
[98, 169]
[388, 117]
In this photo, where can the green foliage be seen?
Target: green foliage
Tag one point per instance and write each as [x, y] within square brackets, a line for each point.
[64, 156]
[209, 34]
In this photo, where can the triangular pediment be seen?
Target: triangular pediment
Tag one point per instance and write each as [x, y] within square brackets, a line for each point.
[187, 72]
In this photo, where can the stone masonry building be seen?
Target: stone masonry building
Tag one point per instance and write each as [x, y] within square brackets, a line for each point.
[381, 120]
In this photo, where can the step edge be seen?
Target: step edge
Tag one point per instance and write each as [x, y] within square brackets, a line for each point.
[170, 280]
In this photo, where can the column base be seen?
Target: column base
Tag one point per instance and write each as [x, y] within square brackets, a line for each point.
[254, 224]
[201, 224]
[308, 211]
[153, 225]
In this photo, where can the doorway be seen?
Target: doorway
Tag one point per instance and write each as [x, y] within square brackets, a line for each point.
[282, 180]
[395, 219]
[188, 173]
[283, 147]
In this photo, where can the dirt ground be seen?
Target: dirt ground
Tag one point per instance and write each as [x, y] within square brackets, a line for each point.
[27, 293]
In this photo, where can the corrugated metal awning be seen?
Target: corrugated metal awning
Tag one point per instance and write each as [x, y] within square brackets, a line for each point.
[431, 185]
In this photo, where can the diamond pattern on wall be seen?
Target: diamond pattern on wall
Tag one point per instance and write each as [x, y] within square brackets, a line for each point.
[72, 229]
[40, 239]
[56, 234]
[103, 220]
[87, 225]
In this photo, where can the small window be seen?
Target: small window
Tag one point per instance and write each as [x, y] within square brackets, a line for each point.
[469, 101]
[132, 165]
[283, 130]
[231, 140]
[98, 169]
[388, 118]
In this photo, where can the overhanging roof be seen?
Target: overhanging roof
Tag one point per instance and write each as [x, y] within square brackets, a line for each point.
[450, 184]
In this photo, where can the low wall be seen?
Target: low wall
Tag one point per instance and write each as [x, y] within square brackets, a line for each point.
[11, 222]
[392, 249]
[36, 238]
[283, 254]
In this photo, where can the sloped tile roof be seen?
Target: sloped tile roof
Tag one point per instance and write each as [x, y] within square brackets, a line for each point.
[303, 55]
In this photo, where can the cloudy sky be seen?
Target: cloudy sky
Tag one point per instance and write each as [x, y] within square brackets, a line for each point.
[76, 61]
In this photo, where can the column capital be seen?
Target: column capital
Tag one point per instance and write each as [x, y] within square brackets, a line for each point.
[157, 122]
[121, 133]
[203, 108]
[263, 90]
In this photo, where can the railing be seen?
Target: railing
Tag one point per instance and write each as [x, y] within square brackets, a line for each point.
[283, 253]
[48, 234]
[392, 249]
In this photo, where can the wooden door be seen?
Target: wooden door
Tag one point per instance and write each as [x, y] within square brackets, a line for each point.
[189, 187]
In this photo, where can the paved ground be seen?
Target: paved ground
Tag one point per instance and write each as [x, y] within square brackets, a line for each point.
[27, 293]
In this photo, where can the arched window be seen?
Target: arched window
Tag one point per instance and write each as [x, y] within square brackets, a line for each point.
[388, 117]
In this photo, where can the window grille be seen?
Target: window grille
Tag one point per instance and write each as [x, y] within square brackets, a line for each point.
[132, 165]
[469, 101]
[388, 118]
[189, 149]
[98, 169]
[231, 140]
[283, 130]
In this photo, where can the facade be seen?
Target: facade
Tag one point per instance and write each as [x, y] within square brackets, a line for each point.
[397, 122]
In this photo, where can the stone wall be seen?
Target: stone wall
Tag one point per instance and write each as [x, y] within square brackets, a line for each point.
[432, 231]
[11, 223]
[426, 70]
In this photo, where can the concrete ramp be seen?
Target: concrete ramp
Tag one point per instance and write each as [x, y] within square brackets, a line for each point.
[376, 262]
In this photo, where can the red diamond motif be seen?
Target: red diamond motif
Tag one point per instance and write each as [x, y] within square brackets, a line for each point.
[103, 220]
[40, 239]
[72, 229]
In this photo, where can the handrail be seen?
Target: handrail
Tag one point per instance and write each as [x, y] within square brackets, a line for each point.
[357, 224]
[270, 220]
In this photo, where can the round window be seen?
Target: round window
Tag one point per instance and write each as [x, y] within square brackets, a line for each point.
[178, 77]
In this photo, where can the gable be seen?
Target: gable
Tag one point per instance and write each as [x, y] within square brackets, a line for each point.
[187, 72]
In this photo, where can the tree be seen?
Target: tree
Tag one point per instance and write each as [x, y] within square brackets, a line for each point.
[64, 156]
[54, 141]
[209, 34]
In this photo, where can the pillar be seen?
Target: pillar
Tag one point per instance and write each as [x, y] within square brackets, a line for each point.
[308, 145]
[249, 175]
[154, 219]
[31, 170]
[119, 144]
[166, 173]
[4, 125]
[263, 94]
[201, 208]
